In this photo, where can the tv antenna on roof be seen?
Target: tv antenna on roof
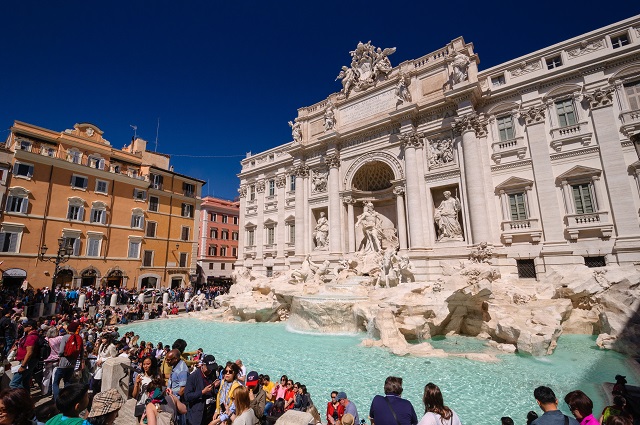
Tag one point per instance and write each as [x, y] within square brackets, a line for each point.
[157, 131]
[135, 129]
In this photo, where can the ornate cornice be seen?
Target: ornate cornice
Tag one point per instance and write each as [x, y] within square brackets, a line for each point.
[332, 160]
[516, 164]
[442, 175]
[577, 152]
[534, 115]
[600, 97]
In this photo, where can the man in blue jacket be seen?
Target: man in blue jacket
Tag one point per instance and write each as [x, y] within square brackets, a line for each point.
[199, 393]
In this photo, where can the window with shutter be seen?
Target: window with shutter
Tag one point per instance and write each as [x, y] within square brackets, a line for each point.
[183, 259]
[566, 113]
[154, 201]
[147, 260]
[517, 206]
[505, 128]
[185, 233]
[151, 229]
[632, 90]
[134, 249]
[93, 247]
[582, 198]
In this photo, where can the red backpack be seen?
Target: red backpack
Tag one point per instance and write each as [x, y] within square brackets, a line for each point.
[73, 346]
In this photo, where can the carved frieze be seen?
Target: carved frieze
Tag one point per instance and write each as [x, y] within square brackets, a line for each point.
[525, 68]
[600, 97]
[242, 191]
[534, 115]
[260, 186]
[319, 181]
[585, 47]
[439, 152]
[333, 160]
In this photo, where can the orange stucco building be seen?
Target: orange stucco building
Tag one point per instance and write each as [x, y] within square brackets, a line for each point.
[126, 216]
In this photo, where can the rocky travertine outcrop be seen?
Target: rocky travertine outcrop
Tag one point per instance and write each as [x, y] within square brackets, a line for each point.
[468, 299]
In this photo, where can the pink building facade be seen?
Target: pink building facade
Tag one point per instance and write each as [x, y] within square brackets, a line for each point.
[218, 241]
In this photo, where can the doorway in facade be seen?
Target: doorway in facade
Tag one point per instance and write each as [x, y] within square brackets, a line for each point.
[114, 279]
[64, 279]
[176, 282]
[12, 279]
[148, 283]
[89, 278]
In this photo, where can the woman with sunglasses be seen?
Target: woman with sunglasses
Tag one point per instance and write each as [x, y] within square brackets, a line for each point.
[290, 395]
[225, 408]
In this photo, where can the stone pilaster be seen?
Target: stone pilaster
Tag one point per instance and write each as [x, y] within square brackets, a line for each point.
[301, 172]
[470, 127]
[333, 162]
[260, 230]
[242, 236]
[411, 142]
[551, 221]
[349, 201]
[281, 237]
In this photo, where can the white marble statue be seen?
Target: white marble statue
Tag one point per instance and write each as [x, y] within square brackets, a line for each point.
[296, 131]
[402, 89]
[460, 68]
[368, 65]
[306, 271]
[329, 117]
[371, 223]
[405, 270]
[482, 254]
[446, 218]
[321, 232]
[388, 268]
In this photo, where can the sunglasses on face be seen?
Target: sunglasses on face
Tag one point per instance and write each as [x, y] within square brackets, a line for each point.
[227, 371]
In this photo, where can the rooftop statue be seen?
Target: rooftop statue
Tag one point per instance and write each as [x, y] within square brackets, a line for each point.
[368, 65]
[296, 131]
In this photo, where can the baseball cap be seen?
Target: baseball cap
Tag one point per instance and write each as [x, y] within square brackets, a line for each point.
[341, 396]
[252, 379]
[209, 361]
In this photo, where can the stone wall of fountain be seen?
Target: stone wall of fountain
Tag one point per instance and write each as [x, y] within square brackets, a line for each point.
[471, 299]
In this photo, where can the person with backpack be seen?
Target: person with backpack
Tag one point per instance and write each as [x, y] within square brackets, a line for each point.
[71, 349]
[27, 355]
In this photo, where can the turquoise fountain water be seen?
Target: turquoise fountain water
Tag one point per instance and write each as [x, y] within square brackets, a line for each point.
[480, 393]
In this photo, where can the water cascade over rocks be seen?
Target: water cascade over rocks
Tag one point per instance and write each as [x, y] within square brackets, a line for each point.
[470, 298]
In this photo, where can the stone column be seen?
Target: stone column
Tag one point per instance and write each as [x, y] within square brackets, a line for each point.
[333, 187]
[260, 230]
[349, 201]
[551, 221]
[469, 126]
[242, 191]
[402, 224]
[531, 212]
[412, 141]
[567, 195]
[605, 124]
[301, 171]
[281, 237]
[504, 200]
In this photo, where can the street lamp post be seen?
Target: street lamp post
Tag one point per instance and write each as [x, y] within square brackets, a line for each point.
[64, 252]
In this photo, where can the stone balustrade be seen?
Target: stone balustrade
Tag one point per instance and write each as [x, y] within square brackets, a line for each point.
[528, 228]
[597, 221]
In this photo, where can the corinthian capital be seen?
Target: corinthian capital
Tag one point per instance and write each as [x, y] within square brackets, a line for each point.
[398, 190]
[348, 200]
[301, 170]
[242, 191]
[470, 122]
[260, 186]
[534, 114]
[600, 97]
[333, 160]
[411, 140]
[281, 181]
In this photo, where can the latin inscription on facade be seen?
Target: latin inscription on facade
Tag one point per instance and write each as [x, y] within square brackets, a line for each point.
[368, 107]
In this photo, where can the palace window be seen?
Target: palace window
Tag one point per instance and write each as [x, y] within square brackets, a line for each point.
[566, 112]
[21, 169]
[632, 90]
[94, 243]
[234, 236]
[76, 209]
[187, 210]
[498, 81]
[290, 231]
[134, 248]
[213, 250]
[517, 206]
[152, 226]
[554, 62]
[184, 235]
[189, 190]
[235, 220]
[10, 237]
[139, 194]
[225, 234]
[251, 237]
[18, 200]
[213, 217]
[49, 151]
[505, 127]
[210, 266]
[252, 192]
[154, 203]
[223, 266]
[234, 252]
[225, 219]
[526, 269]
[583, 198]
[292, 183]
[272, 187]
[24, 145]
[102, 186]
[183, 259]
[137, 219]
[147, 259]
[223, 251]
[75, 156]
[79, 182]
[619, 40]
[98, 213]
[95, 161]
[213, 233]
[271, 231]
[157, 181]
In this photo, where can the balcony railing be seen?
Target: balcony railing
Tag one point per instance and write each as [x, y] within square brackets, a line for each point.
[504, 148]
[597, 221]
[528, 228]
[630, 122]
[569, 133]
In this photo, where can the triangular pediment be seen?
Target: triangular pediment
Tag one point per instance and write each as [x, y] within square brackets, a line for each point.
[513, 183]
[250, 224]
[579, 171]
[270, 222]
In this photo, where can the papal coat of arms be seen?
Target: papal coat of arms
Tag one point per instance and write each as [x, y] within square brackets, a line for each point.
[368, 65]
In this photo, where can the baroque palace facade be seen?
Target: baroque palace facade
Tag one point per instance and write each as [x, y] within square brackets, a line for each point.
[128, 219]
[534, 157]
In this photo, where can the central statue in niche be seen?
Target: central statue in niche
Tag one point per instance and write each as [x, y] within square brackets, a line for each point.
[371, 223]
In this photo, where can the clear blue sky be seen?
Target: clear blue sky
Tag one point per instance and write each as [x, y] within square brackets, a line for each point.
[225, 77]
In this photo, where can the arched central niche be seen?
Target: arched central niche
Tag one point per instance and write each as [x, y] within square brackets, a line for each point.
[373, 176]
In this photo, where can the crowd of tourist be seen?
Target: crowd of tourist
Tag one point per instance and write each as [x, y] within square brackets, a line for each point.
[63, 356]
